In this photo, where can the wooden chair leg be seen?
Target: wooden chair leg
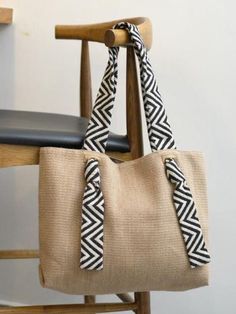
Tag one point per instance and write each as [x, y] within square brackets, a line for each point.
[142, 300]
[90, 299]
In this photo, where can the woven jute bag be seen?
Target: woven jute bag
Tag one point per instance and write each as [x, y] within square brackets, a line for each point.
[109, 227]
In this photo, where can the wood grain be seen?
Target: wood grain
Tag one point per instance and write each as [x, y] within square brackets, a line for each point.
[103, 32]
[85, 82]
[70, 308]
[22, 155]
[18, 155]
[6, 15]
[133, 110]
[143, 302]
[18, 254]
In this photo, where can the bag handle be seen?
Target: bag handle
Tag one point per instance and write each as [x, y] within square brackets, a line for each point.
[159, 131]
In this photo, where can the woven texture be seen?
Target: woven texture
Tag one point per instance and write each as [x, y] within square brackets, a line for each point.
[143, 245]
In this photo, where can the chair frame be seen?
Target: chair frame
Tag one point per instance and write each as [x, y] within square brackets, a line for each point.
[20, 155]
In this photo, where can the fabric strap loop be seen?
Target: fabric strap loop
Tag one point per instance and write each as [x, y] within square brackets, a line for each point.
[187, 216]
[92, 219]
[159, 131]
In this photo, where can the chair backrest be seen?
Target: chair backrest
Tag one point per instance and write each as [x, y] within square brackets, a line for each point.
[104, 33]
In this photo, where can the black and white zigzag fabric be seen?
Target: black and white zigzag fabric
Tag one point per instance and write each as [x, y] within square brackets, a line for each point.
[187, 216]
[92, 219]
[98, 127]
[160, 137]
[159, 131]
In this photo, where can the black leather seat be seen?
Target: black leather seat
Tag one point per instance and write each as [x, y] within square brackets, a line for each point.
[49, 129]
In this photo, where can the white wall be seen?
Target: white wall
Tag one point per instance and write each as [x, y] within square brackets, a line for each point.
[194, 55]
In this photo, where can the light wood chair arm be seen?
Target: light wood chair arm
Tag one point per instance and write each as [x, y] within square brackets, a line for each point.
[103, 32]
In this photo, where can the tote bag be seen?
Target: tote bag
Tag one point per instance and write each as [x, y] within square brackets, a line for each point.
[140, 225]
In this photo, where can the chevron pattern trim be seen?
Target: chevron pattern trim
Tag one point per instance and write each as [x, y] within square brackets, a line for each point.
[98, 127]
[92, 220]
[159, 131]
[187, 216]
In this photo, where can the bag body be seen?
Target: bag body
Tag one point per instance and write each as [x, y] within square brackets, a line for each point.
[143, 245]
[109, 227]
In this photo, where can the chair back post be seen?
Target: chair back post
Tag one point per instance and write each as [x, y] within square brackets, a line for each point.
[133, 108]
[85, 82]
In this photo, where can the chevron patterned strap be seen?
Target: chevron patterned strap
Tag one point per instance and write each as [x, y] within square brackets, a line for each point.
[98, 128]
[95, 140]
[160, 137]
[92, 220]
[159, 131]
[187, 216]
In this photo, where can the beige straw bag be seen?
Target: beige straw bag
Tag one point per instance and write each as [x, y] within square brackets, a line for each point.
[109, 227]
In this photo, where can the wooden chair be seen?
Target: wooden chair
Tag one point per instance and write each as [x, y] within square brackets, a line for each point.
[22, 134]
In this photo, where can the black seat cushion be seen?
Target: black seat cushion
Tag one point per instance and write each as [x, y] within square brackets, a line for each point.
[49, 129]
